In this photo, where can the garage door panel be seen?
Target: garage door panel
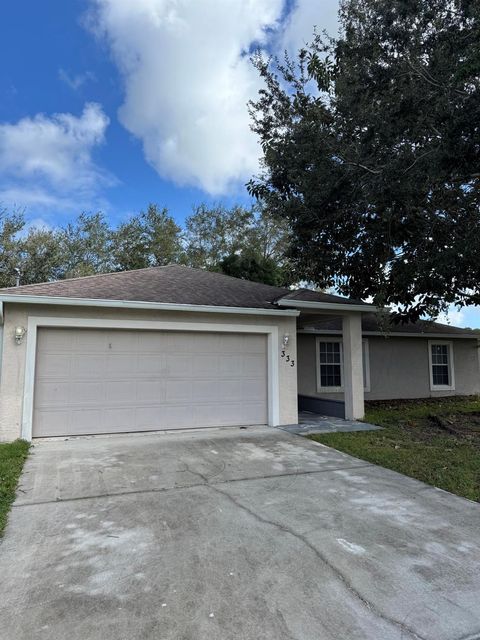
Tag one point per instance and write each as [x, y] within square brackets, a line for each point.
[178, 391]
[255, 389]
[178, 365]
[118, 419]
[116, 391]
[150, 364]
[53, 364]
[86, 393]
[148, 389]
[101, 381]
[210, 390]
[52, 393]
[88, 365]
[118, 365]
[252, 363]
[53, 423]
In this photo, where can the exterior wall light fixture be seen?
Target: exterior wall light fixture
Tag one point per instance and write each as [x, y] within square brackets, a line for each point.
[286, 340]
[19, 334]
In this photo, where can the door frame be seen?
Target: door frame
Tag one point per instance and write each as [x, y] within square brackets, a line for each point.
[34, 323]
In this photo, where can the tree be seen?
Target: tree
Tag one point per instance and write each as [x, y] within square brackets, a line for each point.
[216, 232]
[40, 256]
[10, 226]
[149, 239]
[85, 247]
[249, 265]
[371, 153]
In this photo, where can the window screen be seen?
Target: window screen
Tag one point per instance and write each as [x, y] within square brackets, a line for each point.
[440, 365]
[330, 360]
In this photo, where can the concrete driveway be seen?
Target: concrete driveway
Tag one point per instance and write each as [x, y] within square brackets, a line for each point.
[232, 534]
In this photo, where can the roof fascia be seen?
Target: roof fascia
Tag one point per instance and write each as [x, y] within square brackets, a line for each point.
[326, 306]
[134, 304]
[399, 334]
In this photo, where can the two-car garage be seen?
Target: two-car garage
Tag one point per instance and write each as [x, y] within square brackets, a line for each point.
[96, 380]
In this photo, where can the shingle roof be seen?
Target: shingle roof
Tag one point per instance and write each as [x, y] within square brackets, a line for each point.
[308, 295]
[372, 322]
[174, 284]
[177, 284]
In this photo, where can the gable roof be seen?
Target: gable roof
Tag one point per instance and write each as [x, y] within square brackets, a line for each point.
[376, 323]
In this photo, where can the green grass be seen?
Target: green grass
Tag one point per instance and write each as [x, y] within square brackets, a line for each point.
[12, 458]
[414, 444]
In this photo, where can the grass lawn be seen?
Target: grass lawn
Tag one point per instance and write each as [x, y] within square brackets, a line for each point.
[436, 441]
[12, 458]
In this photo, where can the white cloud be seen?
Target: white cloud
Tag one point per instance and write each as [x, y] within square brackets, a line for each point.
[46, 161]
[187, 82]
[453, 316]
[307, 15]
[188, 77]
[76, 81]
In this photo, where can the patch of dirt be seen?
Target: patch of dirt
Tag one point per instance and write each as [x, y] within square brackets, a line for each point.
[458, 423]
[441, 403]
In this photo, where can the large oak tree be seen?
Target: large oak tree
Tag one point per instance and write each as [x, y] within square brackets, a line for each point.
[371, 152]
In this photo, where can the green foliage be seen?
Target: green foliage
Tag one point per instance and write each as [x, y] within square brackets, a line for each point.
[150, 239]
[89, 245]
[408, 444]
[85, 246]
[10, 225]
[249, 265]
[371, 153]
[12, 458]
[40, 253]
[216, 232]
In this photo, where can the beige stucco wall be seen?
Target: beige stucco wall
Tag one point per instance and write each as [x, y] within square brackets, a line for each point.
[13, 361]
[399, 368]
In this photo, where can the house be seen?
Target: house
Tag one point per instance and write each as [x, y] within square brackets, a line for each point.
[174, 347]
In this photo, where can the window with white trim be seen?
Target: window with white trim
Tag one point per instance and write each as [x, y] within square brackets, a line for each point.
[441, 365]
[330, 364]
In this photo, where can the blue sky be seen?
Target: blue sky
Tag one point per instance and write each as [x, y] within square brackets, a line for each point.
[159, 130]
[112, 104]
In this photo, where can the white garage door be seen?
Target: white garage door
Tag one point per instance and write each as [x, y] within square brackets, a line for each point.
[107, 381]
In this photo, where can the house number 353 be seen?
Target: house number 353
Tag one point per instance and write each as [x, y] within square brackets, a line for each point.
[287, 358]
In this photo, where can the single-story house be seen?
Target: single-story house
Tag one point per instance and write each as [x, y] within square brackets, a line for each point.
[174, 347]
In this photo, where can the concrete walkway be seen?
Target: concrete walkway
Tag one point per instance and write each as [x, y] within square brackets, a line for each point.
[232, 535]
[309, 423]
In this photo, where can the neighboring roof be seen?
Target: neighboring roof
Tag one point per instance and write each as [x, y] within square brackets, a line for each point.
[378, 323]
[308, 295]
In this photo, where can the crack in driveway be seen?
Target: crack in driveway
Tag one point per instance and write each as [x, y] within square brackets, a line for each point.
[347, 584]
[205, 481]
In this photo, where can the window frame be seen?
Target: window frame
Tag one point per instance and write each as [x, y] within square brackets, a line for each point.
[320, 388]
[366, 364]
[451, 369]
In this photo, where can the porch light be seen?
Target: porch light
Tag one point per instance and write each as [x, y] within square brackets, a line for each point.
[19, 334]
[286, 340]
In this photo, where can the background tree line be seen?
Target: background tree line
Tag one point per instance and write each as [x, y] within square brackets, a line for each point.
[243, 242]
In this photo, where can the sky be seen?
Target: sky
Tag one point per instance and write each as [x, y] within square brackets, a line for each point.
[111, 104]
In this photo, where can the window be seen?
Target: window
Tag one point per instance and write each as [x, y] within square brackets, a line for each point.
[441, 366]
[330, 364]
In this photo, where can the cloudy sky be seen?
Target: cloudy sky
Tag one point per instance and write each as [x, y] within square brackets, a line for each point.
[111, 104]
